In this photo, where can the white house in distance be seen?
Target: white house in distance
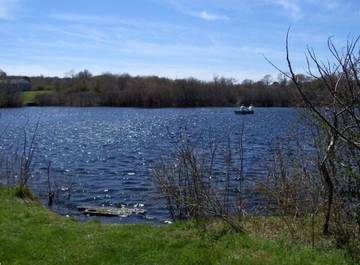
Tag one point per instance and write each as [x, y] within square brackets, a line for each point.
[15, 83]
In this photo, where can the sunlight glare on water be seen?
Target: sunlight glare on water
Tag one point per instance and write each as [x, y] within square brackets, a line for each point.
[104, 156]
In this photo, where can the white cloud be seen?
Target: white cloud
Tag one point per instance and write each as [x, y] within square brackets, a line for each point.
[208, 16]
[291, 6]
[188, 8]
[111, 22]
[7, 8]
[330, 4]
[72, 17]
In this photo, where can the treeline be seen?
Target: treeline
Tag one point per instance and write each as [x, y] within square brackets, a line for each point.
[10, 94]
[10, 98]
[84, 89]
[11, 89]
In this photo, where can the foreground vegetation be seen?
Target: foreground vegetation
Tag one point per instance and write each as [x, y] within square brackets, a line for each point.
[33, 235]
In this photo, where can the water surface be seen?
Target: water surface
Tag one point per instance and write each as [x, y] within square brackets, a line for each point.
[104, 156]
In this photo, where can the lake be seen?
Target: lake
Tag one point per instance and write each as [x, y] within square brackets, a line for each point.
[105, 156]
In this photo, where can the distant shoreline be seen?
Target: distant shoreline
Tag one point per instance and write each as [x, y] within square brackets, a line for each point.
[85, 90]
[151, 108]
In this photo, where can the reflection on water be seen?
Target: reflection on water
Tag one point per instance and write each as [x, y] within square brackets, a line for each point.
[104, 156]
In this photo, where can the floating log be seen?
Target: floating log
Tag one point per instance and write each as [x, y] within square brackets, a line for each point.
[110, 211]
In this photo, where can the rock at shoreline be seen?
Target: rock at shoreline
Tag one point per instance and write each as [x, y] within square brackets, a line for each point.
[110, 211]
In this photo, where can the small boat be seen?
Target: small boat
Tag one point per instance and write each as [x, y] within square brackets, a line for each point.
[245, 110]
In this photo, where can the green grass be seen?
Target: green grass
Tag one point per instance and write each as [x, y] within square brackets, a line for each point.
[29, 96]
[31, 234]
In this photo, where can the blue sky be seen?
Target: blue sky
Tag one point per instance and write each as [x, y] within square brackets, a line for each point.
[171, 38]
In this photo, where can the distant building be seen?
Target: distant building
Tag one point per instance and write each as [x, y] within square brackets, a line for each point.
[15, 83]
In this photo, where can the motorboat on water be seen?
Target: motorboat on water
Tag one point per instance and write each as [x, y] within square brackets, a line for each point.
[245, 110]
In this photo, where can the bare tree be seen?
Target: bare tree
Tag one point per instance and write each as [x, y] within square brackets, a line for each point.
[338, 122]
[193, 189]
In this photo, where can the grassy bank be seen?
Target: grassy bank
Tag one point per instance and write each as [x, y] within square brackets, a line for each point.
[30, 234]
[29, 97]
